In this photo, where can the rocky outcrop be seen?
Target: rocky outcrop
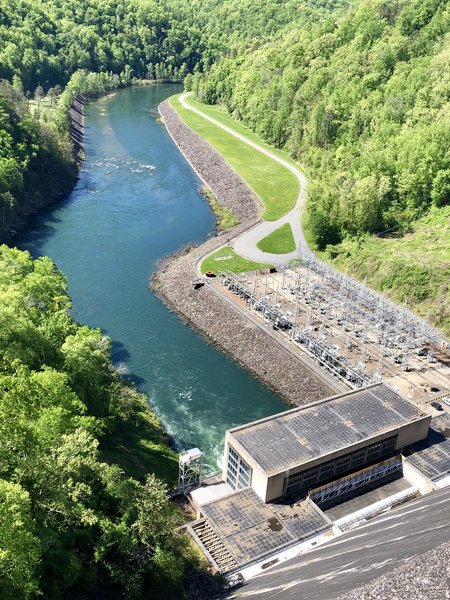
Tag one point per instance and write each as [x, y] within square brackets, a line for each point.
[76, 127]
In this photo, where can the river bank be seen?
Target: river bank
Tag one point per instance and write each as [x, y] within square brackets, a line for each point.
[204, 311]
[49, 179]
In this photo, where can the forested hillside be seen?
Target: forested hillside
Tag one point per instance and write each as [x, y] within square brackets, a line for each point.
[36, 161]
[229, 27]
[67, 518]
[45, 41]
[361, 98]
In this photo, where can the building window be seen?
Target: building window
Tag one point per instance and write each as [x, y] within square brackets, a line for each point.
[359, 458]
[342, 465]
[389, 445]
[239, 473]
[374, 451]
[311, 476]
[326, 470]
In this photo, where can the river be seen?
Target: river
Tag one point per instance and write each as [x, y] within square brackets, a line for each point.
[137, 200]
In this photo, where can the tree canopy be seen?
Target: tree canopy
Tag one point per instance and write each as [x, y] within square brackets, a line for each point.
[67, 518]
[44, 41]
[361, 97]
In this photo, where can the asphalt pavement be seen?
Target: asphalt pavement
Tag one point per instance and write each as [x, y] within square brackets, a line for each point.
[359, 556]
[245, 244]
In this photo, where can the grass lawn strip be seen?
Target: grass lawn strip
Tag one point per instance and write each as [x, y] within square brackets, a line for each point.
[280, 241]
[277, 187]
[219, 113]
[225, 259]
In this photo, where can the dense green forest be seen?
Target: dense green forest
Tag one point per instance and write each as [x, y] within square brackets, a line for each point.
[36, 161]
[362, 101]
[358, 92]
[45, 41]
[68, 519]
[360, 97]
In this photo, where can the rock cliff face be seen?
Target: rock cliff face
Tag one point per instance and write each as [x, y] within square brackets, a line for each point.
[202, 308]
[49, 182]
[76, 127]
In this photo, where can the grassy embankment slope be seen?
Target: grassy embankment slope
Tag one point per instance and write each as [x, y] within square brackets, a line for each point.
[276, 186]
[412, 268]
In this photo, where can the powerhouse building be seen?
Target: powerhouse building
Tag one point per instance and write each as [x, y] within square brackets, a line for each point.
[302, 449]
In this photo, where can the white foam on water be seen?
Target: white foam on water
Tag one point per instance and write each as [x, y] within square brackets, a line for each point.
[122, 369]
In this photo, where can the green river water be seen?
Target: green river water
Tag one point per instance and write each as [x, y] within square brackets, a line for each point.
[137, 200]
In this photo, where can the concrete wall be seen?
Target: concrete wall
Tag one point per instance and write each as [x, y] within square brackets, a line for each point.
[415, 477]
[414, 432]
[258, 479]
[275, 486]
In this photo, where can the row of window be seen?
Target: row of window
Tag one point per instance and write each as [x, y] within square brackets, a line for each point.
[306, 479]
[356, 482]
[238, 471]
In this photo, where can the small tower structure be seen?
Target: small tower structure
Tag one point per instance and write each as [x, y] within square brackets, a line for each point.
[190, 469]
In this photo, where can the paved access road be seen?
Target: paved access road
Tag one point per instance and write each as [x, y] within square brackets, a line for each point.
[359, 556]
[245, 244]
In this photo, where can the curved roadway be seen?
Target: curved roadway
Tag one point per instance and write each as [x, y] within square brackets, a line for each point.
[245, 243]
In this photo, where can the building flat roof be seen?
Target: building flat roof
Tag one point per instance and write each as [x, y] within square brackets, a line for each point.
[432, 455]
[250, 529]
[300, 435]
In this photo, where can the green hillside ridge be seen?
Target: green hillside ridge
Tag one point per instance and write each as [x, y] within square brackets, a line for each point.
[362, 101]
[45, 41]
[80, 506]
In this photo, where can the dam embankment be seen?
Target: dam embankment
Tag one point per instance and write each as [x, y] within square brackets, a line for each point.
[209, 314]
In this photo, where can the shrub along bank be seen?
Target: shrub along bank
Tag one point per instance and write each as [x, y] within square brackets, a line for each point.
[70, 516]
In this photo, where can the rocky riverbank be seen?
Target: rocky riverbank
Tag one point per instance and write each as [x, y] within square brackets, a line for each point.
[76, 127]
[47, 179]
[213, 317]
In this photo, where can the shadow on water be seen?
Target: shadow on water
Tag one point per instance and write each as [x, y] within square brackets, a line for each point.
[41, 227]
[121, 358]
[44, 224]
[118, 352]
